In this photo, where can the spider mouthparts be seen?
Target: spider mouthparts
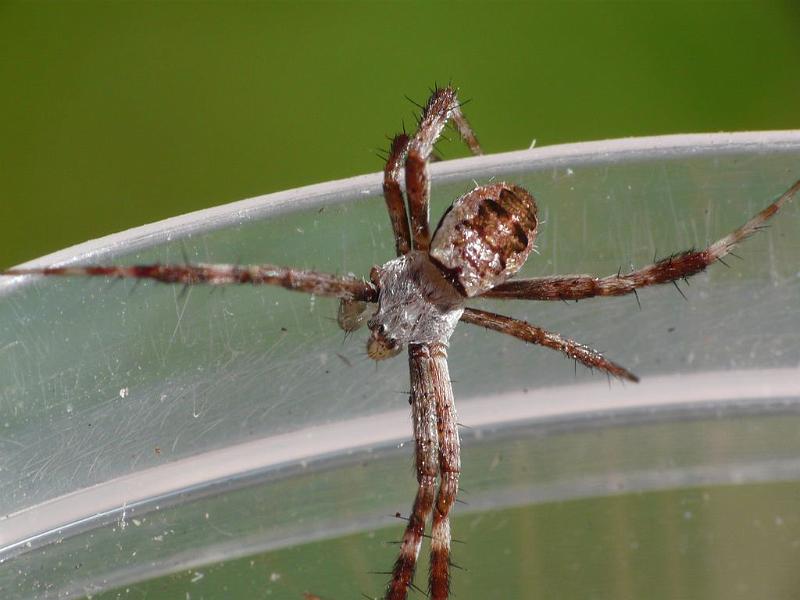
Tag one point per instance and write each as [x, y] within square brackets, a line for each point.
[381, 348]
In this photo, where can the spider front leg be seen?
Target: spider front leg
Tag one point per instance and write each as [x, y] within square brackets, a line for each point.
[437, 449]
[449, 468]
[442, 106]
[309, 282]
[426, 446]
[672, 268]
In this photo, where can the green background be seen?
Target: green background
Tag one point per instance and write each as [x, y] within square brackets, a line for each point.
[674, 544]
[117, 114]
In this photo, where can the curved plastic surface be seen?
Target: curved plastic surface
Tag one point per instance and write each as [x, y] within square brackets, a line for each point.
[119, 401]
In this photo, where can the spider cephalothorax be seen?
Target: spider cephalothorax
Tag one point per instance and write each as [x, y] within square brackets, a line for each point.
[481, 242]
[416, 304]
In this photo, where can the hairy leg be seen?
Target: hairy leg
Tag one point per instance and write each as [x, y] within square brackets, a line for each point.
[310, 282]
[423, 417]
[672, 268]
[449, 470]
[536, 335]
[393, 194]
[442, 106]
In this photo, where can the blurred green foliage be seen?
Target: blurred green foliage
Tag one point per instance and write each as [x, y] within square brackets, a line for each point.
[116, 114]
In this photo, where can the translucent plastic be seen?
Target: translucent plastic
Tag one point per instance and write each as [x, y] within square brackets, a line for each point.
[131, 411]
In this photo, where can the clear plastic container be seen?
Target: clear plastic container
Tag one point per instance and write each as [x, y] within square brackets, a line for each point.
[231, 443]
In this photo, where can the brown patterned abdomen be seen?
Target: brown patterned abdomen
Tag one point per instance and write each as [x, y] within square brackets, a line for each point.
[485, 237]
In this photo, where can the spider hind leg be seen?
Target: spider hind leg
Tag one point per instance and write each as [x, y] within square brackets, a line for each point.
[680, 265]
[442, 106]
[527, 332]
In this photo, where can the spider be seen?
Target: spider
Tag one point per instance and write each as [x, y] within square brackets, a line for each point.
[481, 241]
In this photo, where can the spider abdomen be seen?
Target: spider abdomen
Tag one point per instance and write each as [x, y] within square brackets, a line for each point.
[485, 237]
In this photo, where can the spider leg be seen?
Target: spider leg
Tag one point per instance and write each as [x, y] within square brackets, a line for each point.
[310, 282]
[449, 469]
[423, 417]
[394, 194]
[442, 105]
[536, 335]
[351, 315]
[672, 268]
